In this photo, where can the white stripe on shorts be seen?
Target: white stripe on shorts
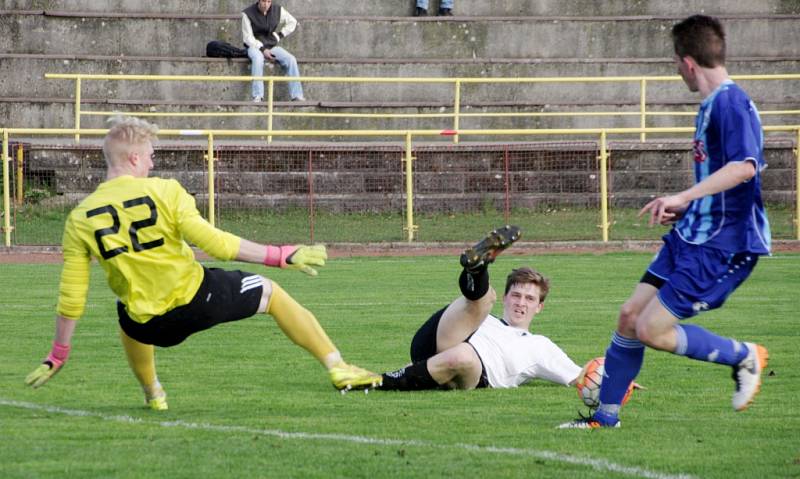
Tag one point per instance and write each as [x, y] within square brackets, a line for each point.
[250, 282]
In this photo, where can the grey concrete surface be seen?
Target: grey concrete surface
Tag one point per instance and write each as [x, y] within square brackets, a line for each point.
[405, 7]
[633, 37]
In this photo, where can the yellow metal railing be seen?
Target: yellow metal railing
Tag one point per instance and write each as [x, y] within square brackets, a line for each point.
[407, 135]
[456, 115]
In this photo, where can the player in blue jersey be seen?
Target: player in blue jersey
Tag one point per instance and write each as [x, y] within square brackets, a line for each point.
[719, 231]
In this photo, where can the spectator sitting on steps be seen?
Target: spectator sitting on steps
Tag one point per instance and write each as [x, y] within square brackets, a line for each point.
[264, 25]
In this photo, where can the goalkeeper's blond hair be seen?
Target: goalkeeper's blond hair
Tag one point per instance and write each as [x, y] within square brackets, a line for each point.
[126, 131]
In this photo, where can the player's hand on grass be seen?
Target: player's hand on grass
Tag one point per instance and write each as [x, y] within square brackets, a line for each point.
[304, 257]
[50, 366]
[42, 374]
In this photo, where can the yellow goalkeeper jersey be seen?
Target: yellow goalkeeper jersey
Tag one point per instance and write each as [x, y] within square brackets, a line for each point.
[136, 228]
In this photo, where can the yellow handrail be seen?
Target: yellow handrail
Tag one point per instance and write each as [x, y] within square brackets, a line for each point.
[410, 226]
[457, 83]
[604, 186]
[797, 185]
[6, 197]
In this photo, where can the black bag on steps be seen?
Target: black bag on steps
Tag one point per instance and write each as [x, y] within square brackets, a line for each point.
[220, 49]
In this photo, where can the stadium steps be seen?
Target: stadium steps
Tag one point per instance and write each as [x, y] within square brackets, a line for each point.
[388, 37]
[70, 37]
[403, 8]
[24, 102]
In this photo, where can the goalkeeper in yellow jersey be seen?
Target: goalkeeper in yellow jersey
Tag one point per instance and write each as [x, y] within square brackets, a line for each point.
[137, 228]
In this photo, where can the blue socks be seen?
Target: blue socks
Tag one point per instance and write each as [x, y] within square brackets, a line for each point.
[698, 343]
[624, 358]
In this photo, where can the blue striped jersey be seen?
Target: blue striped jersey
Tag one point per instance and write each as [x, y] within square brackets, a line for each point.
[728, 129]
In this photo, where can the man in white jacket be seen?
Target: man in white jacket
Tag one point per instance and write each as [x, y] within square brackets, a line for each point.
[264, 25]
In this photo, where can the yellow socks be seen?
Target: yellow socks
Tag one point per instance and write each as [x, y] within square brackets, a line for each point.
[141, 358]
[299, 324]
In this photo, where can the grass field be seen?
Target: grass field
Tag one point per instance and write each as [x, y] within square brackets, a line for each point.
[245, 402]
[40, 225]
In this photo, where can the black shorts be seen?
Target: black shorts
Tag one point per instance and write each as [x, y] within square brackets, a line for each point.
[223, 296]
[423, 345]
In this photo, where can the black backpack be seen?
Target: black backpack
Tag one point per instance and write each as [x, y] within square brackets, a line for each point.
[220, 49]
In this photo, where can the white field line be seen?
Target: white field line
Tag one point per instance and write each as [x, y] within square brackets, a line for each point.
[597, 464]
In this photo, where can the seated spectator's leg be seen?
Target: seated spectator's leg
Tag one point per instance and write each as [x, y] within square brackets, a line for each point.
[256, 70]
[448, 4]
[422, 4]
[288, 63]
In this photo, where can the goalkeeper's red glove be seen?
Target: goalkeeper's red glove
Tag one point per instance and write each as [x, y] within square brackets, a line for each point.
[50, 366]
[299, 257]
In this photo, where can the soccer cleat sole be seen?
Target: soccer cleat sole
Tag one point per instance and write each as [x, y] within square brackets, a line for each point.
[588, 425]
[762, 355]
[488, 248]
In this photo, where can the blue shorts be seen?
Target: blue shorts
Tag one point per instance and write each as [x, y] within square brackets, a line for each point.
[697, 278]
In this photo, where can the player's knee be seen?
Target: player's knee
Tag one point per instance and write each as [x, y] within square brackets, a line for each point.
[266, 294]
[627, 319]
[650, 336]
[459, 358]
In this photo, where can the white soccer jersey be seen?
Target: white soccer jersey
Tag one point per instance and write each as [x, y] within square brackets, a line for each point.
[513, 357]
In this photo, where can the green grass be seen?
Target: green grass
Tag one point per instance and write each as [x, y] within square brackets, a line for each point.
[233, 390]
[36, 224]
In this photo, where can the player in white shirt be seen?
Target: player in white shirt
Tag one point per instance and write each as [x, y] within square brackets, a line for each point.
[463, 346]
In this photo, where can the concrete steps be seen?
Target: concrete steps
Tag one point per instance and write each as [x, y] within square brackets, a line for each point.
[33, 67]
[398, 37]
[388, 8]
[37, 102]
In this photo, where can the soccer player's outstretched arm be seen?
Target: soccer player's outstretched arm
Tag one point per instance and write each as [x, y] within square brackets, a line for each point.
[226, 246]
[73, 289]
[58, 354]
[299, 257]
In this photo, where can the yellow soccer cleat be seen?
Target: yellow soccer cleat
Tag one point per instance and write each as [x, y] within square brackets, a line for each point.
[156, 400]
[346, 377]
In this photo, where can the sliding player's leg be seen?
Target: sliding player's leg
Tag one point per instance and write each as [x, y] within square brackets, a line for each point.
[464, 315]
[141, 358]
[300, 325]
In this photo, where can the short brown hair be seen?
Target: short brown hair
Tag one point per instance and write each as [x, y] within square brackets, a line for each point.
[527, 275]
[702, 38]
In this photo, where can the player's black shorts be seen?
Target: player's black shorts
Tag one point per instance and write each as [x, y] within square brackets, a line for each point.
[223, 296]
[423, 345]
